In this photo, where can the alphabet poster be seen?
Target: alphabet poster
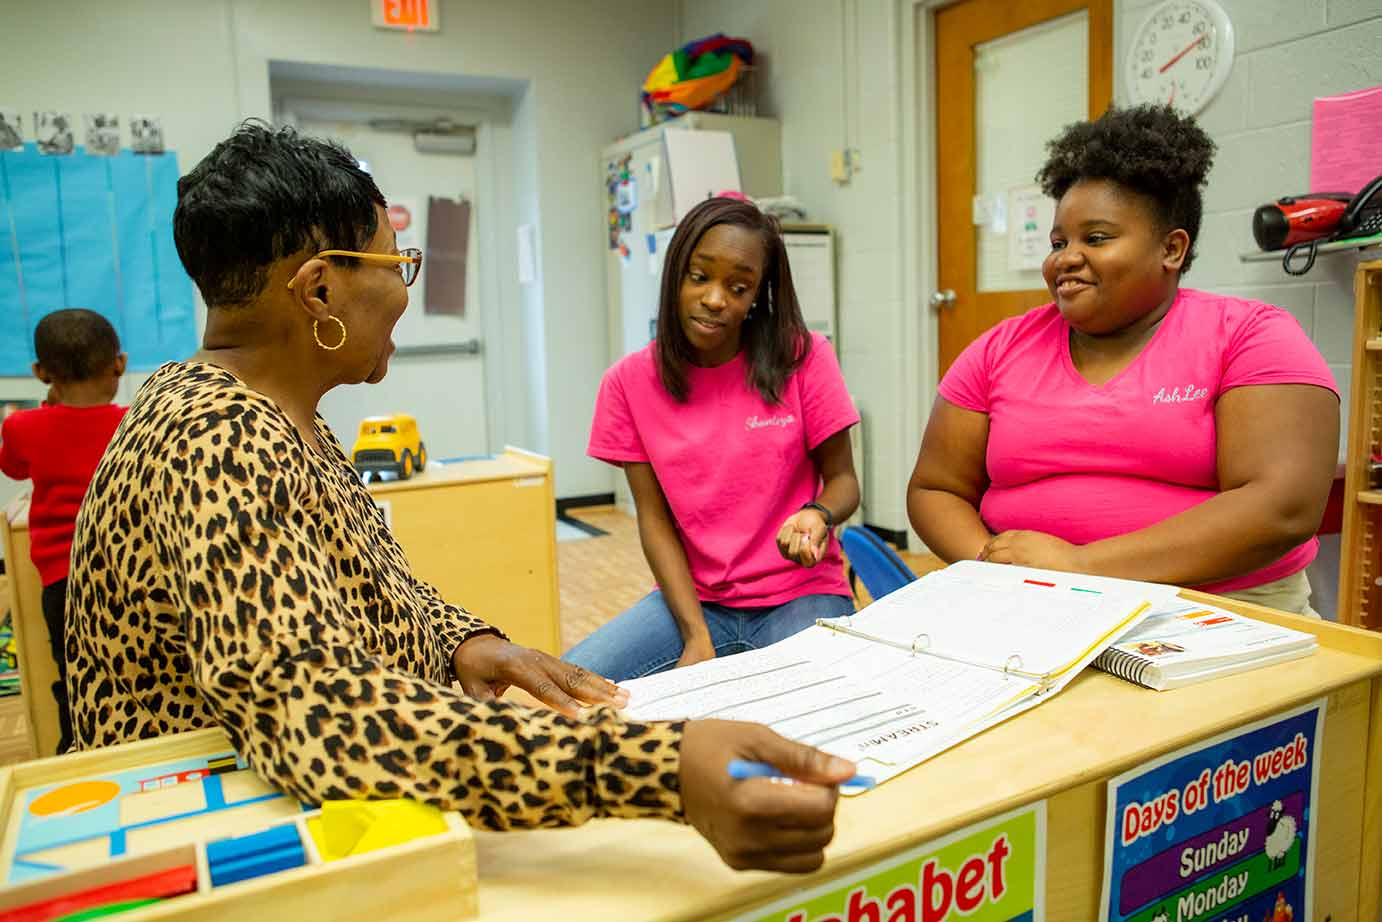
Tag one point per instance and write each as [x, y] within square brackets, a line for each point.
[993, 871]
[1222, 831]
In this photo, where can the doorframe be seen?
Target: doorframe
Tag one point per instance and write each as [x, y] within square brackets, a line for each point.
[919, 239]
[919, 244]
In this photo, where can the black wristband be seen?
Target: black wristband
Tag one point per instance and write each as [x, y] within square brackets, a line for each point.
[829, 517]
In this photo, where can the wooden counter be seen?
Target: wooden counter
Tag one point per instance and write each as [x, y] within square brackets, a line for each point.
[1065, 751]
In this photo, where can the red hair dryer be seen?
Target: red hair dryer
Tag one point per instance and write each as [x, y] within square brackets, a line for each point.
[1298, 218]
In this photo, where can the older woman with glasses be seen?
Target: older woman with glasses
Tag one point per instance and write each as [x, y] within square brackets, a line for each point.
[229, 568]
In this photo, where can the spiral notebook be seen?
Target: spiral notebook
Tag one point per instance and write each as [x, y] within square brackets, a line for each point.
[1188, 642]
[919, 670]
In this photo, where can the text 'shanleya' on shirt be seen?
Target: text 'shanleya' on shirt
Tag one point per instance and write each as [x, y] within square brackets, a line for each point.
[733, 466]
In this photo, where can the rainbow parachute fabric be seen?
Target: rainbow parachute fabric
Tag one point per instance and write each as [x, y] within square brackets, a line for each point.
[693, 75]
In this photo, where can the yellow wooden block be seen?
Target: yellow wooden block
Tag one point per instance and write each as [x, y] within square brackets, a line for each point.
[353, 827]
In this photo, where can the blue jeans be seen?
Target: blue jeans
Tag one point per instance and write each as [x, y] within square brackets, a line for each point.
[644, 639]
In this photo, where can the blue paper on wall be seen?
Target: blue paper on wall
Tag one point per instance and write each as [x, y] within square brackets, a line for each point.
[93, 232]
[14, 352]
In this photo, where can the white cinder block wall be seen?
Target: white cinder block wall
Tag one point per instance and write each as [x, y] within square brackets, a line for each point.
[1289, 52]
[831, 73]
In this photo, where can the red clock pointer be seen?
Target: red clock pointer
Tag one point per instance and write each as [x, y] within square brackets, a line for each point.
[1184, 51]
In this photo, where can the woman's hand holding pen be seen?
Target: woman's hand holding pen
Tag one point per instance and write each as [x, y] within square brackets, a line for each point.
[760, 822]
[803, 537]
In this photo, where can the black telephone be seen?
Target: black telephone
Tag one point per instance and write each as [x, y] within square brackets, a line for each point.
[1362, 217]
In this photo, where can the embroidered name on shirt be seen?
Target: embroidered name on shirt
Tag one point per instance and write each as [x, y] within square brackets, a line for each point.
[760, 422]
[1187, 394]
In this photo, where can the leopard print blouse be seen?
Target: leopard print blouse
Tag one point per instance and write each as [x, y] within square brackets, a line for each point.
[226, 573]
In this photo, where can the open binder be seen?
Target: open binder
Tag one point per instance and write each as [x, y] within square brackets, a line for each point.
[919, 670]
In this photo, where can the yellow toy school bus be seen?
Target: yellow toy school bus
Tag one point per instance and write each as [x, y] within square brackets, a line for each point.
[389, 443]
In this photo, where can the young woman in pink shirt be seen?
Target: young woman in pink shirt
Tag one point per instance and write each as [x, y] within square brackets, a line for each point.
[732, 428]
[1133, 427]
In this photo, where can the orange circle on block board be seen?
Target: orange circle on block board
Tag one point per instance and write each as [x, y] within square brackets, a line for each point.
[74, 798]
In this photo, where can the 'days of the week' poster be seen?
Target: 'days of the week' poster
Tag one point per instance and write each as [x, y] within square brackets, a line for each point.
[993, 871]
[1220, 832]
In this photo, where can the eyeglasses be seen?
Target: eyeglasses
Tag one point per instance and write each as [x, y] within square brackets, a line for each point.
[408, 261]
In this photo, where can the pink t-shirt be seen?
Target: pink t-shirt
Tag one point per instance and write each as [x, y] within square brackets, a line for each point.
[1086, 463]
[732, 466]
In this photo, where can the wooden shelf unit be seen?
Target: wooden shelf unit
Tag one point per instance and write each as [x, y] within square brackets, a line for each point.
[1360, 566]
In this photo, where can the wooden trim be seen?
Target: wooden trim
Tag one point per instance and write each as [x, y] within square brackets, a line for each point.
[1370, 858]
[1100, 56]
[959, 28]
[1367, 288]
[567, 503]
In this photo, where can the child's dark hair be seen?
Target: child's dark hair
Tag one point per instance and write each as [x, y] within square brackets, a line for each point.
[263, 194]
[1150, 149]
[75, 344]
[774, 336]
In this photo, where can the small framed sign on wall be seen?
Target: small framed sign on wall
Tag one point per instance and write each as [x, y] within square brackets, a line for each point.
[406, 15]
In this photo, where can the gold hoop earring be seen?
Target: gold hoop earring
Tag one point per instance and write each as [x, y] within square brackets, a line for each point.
[317, 335]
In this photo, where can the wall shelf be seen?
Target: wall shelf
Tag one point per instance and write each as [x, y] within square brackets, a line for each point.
[1337, 246]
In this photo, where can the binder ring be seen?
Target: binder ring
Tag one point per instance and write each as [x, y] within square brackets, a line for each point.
[1010, 666]
[921, 643]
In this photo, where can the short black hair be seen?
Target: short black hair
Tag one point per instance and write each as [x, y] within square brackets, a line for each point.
[75, 344]
[774, 335]
[1152, 150]
[262, 194]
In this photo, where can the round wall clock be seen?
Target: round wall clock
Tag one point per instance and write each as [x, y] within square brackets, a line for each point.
[1180, 55]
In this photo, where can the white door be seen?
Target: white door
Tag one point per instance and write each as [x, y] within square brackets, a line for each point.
[431, 377]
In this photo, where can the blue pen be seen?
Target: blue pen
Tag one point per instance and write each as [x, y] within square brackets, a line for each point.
[740, 769]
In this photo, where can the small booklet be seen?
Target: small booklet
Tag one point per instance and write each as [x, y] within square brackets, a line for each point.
[919, 670]
[1188, 642]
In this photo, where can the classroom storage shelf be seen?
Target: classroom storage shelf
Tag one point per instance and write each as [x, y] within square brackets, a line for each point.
[1360, 570]
[178, 829]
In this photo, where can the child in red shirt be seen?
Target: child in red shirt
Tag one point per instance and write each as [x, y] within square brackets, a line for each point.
[57, 446]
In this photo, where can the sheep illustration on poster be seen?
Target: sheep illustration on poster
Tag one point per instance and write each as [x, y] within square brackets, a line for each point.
[1281, 835]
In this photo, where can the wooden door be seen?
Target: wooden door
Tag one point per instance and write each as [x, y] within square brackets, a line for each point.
[968, 33]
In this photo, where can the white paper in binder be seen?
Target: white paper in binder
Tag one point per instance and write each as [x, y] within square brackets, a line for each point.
[700, 164]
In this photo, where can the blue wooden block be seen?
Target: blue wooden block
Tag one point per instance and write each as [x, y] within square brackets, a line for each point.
[233, 870]
[268, 840]
[277, 848]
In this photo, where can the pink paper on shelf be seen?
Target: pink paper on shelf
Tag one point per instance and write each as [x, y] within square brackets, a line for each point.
[1346, 141]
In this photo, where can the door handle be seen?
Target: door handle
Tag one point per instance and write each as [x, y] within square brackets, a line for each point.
[944, 298]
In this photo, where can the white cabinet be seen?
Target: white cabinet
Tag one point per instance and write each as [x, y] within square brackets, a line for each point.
[633, 261]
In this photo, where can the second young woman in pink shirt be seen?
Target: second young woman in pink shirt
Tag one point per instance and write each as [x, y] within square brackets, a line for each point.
[1133, 427]
[732, 428]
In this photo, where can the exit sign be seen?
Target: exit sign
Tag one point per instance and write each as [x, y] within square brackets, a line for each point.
[408, 15]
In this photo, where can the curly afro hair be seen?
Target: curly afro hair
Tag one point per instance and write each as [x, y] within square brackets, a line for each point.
[1149, 149]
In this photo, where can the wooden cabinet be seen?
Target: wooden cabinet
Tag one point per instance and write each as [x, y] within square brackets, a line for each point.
[1360, 568]
[484, 533]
